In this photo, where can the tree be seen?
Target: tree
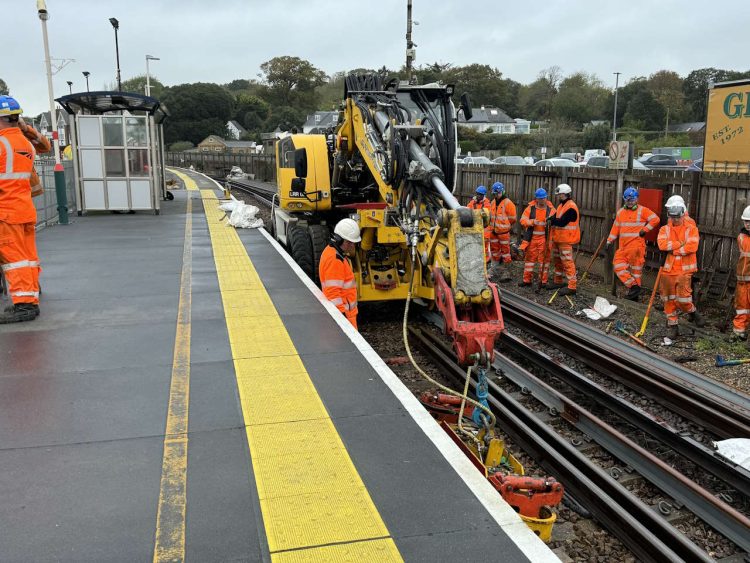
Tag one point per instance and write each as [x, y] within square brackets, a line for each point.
[666, 86]
[485, 86]
[580, 99]
[3, 88]
[285, 118]
[137, 84]
[535, 100]
[644, 112]
[291, 81]
[695, 88]
[196, 111]
[239, 84]
[250, 111]
[180, 146]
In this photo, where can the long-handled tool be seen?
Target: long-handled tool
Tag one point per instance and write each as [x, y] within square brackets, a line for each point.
[650, 304]
[620, 327]
[593, 258]
[721, 362]
[544, 270]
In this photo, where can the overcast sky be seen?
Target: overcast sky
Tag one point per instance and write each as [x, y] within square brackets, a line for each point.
[220, 40]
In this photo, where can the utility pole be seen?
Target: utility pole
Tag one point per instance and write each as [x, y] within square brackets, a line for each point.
[614, 117]
[148, 74]
[409, 45]
[62, 195]
[116, 26]
[666, 127]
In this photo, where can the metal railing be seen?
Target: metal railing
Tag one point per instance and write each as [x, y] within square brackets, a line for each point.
[46, 204]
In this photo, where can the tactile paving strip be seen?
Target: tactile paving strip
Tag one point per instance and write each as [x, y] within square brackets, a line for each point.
[310, 492]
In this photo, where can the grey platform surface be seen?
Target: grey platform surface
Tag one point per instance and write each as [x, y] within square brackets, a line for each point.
[83, 404]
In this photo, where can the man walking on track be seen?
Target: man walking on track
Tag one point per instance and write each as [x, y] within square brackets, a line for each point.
[680, 239]
[564, 232]
[535, 217]
[18, 256]
[502, 219]
[632, 223]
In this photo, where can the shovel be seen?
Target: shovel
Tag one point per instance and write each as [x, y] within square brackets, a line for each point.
[619, 327]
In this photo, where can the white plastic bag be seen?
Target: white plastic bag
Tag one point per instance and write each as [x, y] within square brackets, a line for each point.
[602, 309]
[736, 450]
[241, 215]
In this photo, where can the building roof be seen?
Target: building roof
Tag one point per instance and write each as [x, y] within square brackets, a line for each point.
[687, 127]
[103, 102]
[239, 144]
[237, 126]
[486, 115]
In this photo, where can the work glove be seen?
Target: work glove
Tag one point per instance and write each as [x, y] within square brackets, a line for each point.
[642, 233]
[608, 245]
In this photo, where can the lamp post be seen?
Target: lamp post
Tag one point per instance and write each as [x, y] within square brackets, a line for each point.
[614, 117]
[116, 26]
[86, 74]
[62, 196]
[148, 75]
[70, 86]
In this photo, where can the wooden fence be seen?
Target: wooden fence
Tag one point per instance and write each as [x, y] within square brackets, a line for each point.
[715, 201]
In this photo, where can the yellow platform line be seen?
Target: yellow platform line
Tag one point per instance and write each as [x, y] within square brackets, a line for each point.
[190, 184]
[169, 540]
[314, 504]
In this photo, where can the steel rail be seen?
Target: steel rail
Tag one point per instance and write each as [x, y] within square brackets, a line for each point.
[643, 532]
[650, 375]
[263, 194]
[732, 474]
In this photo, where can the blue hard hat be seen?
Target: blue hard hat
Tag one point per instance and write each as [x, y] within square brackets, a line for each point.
[630, 193]
[498, 188]
[481, 190]
[9, 106]
[540, 193]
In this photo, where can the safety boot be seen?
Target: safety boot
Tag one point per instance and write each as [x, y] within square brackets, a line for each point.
[566, 291]
[696, 318]
[633, 293]
[20, 313]
[673, 331]
[553, 285]
[737, 337]
[524, 284]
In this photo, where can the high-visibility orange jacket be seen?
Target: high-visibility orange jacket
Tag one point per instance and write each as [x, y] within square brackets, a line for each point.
[564, 228]
[682, 244]
[502, 216]
[16, 164]
[743, 263]
[629, 223]
[338, 283]
[539, 221]
[485, 203]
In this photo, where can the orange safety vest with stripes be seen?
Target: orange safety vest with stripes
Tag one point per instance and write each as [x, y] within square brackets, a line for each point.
[570, 233]
[16, 165]
[473, 204]
[337, 281]
[743, 263]
[502, 216]
[539, 222]
[681, 241]
[629, 223]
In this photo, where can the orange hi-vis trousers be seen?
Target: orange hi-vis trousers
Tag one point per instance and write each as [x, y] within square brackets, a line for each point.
[19, 261]
[499, 247]
[562, 255]
[742, 307]
[535, 254]
[677, 294]
[629, 263]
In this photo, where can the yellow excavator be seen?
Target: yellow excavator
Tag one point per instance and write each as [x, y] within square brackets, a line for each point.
[390, 165]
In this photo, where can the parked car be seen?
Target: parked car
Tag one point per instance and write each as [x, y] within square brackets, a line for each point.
[510, 160]
[656, 160]
[696, 166]
[603, 162]
[557, 163]
[569, 155]
[477, 160]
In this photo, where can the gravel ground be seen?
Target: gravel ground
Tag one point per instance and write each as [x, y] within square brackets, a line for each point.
[695, 348]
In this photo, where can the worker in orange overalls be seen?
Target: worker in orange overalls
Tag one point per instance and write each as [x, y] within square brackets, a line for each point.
[564, 232]
[17, 217]
[632, 223]
[535, 217]
[742, 291]
[479, 201]
[502, 219]
[677, 200]
[681, 240]
[335, 270]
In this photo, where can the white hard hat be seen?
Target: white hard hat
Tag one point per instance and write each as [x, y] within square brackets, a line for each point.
[675, 200]
[563, 189]
[348, 229]
[676, 210]
[746, 214]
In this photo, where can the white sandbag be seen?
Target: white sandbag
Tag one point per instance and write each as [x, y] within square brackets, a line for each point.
[736, 450]
[602, 309]
[241, 215]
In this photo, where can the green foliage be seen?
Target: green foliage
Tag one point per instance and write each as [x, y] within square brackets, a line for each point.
[468, 146]
[137, 85]
[535, 100]
[250, 111]
[580, 99]
[485, 86]
[239, 84]
[695, 88]
[196, 111]
[291, 81]
[3, 88]
[597, 136]
[645, 112]
[180, 146]
[285, 118]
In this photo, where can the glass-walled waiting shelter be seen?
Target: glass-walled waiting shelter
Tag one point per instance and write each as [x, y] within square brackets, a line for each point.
[117, 141]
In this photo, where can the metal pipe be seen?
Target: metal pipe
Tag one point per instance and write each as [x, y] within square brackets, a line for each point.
[416, 153]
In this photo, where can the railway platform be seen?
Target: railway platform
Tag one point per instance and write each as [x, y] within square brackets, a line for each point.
[187, 393]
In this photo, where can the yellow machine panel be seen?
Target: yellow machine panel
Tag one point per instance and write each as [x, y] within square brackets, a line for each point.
[313, 191]
[727, 147]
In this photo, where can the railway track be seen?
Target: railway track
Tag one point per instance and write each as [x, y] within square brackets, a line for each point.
[263, 193]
